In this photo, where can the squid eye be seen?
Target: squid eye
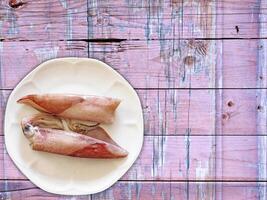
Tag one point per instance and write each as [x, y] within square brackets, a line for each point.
[28, 130]
[27, 127]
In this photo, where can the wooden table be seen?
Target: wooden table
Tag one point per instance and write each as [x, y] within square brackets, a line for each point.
[199, 67]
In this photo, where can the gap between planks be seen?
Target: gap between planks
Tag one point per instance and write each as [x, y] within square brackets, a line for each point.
[195, 88]
[119, 40]
[170, 181]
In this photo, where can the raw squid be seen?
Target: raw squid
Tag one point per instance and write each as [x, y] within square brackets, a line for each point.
[56, 135]
[90, 108]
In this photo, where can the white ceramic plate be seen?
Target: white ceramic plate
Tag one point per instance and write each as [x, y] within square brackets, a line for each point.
[63, 174]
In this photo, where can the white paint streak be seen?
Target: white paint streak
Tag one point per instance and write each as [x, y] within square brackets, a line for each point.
[202, 172]
[139, 173]
[11, 17]
[110, 194]
[163, 194]
[69, 27]
[47, 27]
[1, 61]
[46, 53]
[31, 25]
[130, 191]
[63, 3]
[1, 23]
[94, 3]
[160, 116]
[1, 50]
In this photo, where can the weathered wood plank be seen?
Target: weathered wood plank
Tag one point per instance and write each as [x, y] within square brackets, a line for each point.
[122, 190]
[43, 20]
[180, 190]
[67, 20]
[238, 20]
[179, 158]
[20, 190]
[239, 63]
[154, 64]
[174, 19]
[167, 112]
[18, 58]
[262, 101]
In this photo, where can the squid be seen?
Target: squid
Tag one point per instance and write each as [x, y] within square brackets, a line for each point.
[67, 137]
[87, 108]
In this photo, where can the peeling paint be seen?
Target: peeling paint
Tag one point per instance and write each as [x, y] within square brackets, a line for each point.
[202, 171]
[2, 77]
[12, 21]
[129, 191]
[163, 195]
[153, 190]
[107, 194]
[205, 190]
[46, 53]
[138, 191]
[31, 26]
[158, 155]
[69, 27]
[262, 101]
[47, 27]
[187, 140]
[63, 3]
[69, 18]
[1, 32]
[5, 195]
[93, 5]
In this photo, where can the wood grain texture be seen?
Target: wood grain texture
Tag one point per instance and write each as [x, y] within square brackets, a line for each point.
[174, 112]
[174, 19]
[31, 54]
[183, 58]
[262, 101]
[67, 20]
[154, 64]
[122, 190]
[43, 20]
[180, 190]
[20, 190]
[178, 158]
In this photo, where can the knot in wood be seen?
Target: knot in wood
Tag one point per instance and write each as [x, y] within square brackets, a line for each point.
[189, 60]
[16, 3]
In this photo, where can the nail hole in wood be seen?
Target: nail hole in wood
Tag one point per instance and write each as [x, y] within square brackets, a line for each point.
[259, 107]
[230, 103]
[226, 116]
[237, 29]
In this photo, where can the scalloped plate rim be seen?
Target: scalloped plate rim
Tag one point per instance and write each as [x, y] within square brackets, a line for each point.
[29, 175]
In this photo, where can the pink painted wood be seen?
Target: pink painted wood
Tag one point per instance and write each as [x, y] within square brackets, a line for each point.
[198, 142]
[174, 19]
[143, 190]
[171, 64]
[31, 54]
[45, 20]
[173, 112]
[180, 159]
